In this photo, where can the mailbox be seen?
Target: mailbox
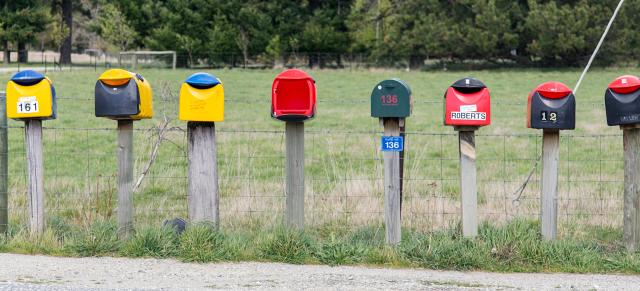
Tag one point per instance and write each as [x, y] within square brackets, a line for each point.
[391, 98]
[201, 99]
[30, 95]
[121, 94]
[551, 105]
[622, 101]
[467, 103]
[293, 96]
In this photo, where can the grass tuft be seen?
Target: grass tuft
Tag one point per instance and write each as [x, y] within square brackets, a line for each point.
[287, 245]
[202, 243]
[152, 242]
[335, 252]
[100, 238]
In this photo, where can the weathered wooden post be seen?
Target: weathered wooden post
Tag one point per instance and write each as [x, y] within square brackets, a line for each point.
[293, 100]
[391, 103]
[124, 96]
[4, 166]
[201, 105]
[31, 98]
[622, 102]
[551, 107]
[467, 108]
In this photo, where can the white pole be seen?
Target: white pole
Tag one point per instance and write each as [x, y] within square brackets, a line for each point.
[595, 52]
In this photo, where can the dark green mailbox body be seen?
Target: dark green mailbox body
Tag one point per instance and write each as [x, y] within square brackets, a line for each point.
[391, 98]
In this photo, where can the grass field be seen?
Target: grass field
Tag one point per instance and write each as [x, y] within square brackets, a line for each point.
[343, 163]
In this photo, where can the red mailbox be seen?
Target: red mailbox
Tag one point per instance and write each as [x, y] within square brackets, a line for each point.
[293, 96]
[467, 103]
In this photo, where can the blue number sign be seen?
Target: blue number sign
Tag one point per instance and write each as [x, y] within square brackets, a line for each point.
[392, 144]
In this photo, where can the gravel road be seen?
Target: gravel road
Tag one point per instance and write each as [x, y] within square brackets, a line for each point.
[24, 272]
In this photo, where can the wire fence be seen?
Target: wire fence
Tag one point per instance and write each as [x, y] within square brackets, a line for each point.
[344, 177]
[343, 169]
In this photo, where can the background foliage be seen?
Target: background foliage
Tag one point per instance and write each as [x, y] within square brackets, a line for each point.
[526, 32]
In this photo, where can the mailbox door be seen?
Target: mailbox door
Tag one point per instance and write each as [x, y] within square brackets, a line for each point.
[293, 96]
[391, 98]
[205, 105]
[117, 101]
[30, 95]
[622, 101]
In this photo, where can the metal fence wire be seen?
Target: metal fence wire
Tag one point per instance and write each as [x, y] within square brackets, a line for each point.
[343, 169]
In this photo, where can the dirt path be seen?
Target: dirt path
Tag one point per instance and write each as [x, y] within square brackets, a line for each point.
[22, 272]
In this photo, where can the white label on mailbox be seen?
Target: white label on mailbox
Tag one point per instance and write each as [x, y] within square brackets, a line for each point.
[28, 105]
[468, 115]
[468, 108]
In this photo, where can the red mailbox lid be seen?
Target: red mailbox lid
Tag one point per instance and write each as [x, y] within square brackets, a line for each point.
[553, 90]
[625, 84]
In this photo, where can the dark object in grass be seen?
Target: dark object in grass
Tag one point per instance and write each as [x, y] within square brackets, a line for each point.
[177, 224]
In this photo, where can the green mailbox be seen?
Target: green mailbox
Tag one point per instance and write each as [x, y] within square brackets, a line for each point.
[391, 98]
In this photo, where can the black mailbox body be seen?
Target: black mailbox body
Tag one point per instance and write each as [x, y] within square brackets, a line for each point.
[622, 101]
[551, 105]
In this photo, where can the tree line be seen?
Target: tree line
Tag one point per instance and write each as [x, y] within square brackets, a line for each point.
[526, 32]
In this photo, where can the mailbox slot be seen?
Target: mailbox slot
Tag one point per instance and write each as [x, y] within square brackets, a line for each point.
[30, 95]
[551, 105]
[622, 101]
[467, 103]
[293, 96]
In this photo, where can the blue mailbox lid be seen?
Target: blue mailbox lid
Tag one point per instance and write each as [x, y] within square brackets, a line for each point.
[27, 77]
[202, 80]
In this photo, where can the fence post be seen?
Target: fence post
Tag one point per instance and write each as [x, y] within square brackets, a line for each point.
[4, 167]
[125, 178]
[392, 185]
[203, 173]
[549, 184]
[35, 169]
[294, 135]
[631, 228]
[468, 185]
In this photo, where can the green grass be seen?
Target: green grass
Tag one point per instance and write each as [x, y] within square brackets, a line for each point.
[514, 247]
[344, 193]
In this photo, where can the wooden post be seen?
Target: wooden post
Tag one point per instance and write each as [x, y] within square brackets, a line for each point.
[549, 184]
[35, 169]
[631, 228]
[4, 168]
[294, 213]
[392, 185]
[125, 178]
[203, 173]
[468, 183]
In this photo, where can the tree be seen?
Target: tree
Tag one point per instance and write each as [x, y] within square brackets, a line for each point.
[114, 28]
[23, 20]
[67, 20]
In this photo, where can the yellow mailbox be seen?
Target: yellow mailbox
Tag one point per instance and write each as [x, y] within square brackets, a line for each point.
[201, 99]
[121, 94]
[30, 95]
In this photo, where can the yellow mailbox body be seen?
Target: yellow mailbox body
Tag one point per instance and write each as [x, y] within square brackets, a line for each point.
[201, 99]
[30, 95]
